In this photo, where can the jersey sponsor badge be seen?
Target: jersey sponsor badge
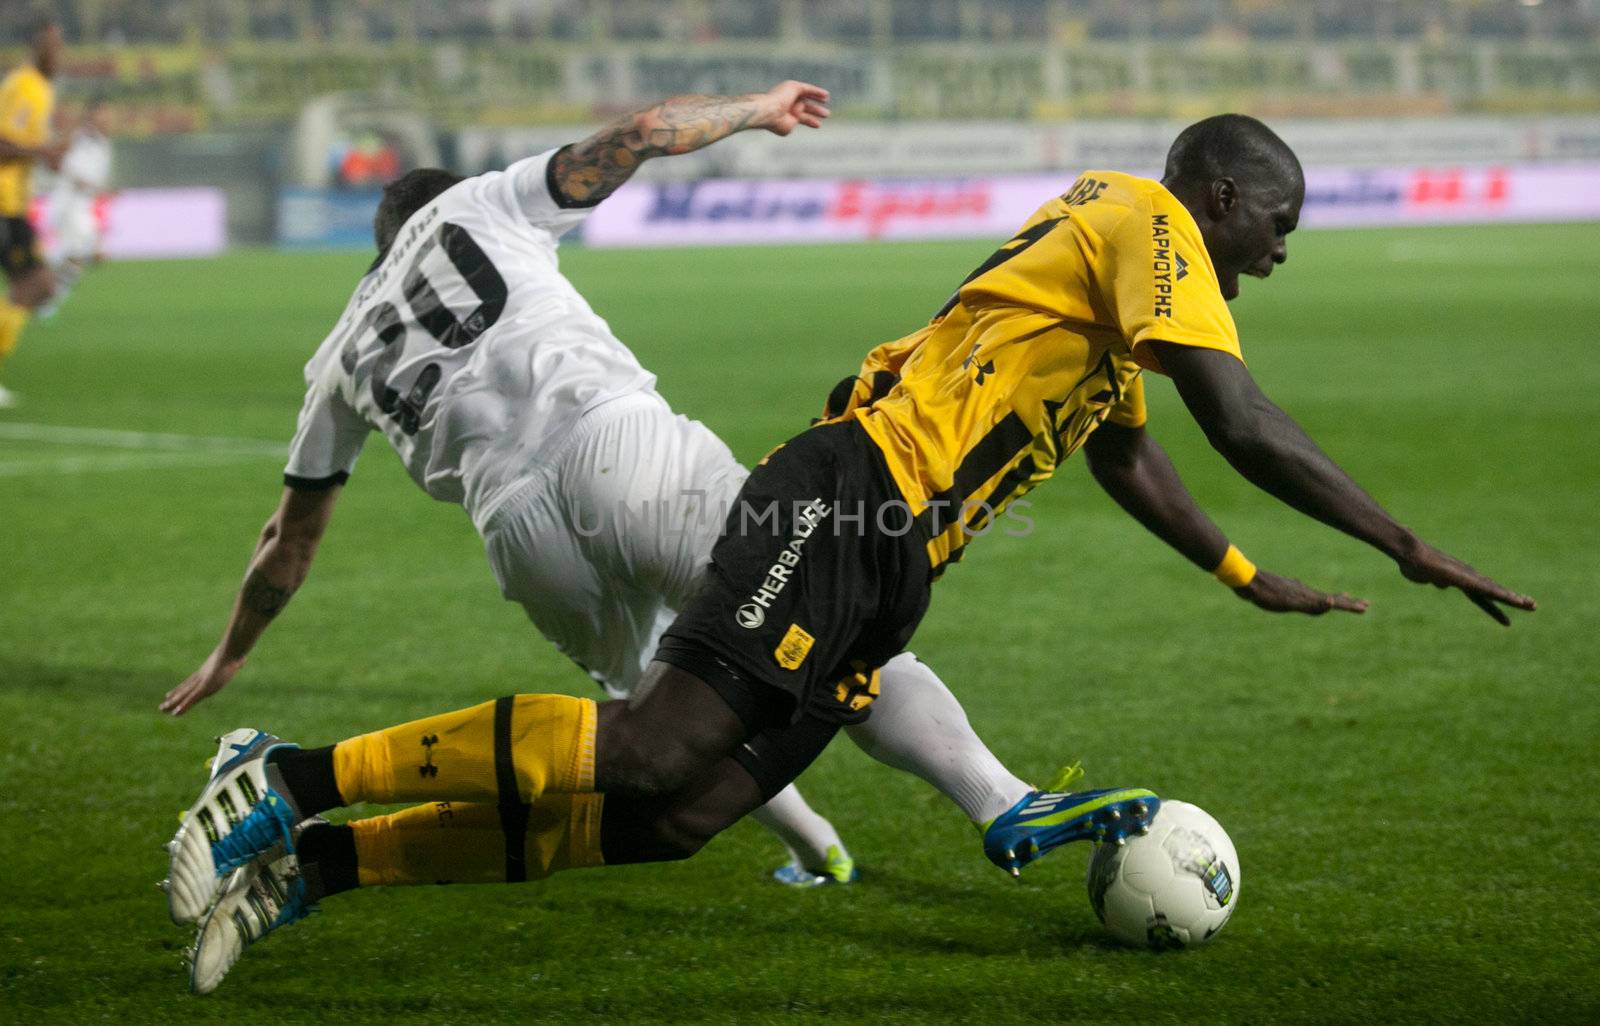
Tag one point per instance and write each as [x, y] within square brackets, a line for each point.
[794, 647]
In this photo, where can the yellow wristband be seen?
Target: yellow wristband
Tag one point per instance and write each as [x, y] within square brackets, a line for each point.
[1235, 571]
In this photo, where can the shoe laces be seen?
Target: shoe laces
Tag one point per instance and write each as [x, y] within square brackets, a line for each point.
[256, 832]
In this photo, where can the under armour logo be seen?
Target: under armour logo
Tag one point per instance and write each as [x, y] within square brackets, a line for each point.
[984, 369]
[428, 769]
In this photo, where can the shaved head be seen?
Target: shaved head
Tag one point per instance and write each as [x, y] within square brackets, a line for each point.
[1231, 146]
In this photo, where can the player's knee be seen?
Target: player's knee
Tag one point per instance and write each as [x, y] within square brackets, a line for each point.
[632, 759]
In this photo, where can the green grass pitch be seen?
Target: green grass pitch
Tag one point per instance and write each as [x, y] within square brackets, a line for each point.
[1413, 792]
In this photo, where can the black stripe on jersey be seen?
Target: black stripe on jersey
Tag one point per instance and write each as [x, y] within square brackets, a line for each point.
[1016, 245]
[1002, 492]
[986, 459]
[513, 813]
[316, 484]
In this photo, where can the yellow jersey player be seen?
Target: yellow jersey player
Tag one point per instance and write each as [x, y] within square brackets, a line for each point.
[824, 567]
[26, 101]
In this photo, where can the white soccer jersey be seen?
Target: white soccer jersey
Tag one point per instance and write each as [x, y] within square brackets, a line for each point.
[85, 174]
[466, 347]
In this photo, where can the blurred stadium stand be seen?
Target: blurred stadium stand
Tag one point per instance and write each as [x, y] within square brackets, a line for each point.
[210, 90]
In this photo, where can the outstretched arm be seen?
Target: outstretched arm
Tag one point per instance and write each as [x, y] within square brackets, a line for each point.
[1135, 471]
[587, 172]
[282, 559]
[1271, 451]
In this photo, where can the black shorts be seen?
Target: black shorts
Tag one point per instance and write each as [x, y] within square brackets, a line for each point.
[19, 247]
[820, 577]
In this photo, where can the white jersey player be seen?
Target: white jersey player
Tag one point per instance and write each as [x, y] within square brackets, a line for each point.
[503, 391]
[81, 184]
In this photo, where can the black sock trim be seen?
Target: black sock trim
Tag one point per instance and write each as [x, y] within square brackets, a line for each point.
[307, 774]
[327, 854]
[513, 813]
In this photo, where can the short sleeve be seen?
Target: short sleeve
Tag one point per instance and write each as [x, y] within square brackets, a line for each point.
[1129, 411]
[1158, 278]
[535, 197]
[327, 441]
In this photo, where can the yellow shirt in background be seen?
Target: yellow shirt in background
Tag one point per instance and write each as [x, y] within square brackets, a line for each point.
[26, 99]
[1040, 345]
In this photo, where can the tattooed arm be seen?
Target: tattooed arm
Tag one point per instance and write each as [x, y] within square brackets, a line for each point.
[279, 566]
[587, 172]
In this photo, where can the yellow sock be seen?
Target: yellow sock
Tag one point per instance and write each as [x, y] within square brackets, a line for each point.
[457, 842]
[12, 320]
[509, 751]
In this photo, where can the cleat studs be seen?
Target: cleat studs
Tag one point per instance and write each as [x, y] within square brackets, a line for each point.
[1016, 872]
[1139, 808]
[1121, 841]
[1115, 814]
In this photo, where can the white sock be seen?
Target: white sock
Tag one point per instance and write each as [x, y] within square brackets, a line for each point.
[807, 835]
[918, 726]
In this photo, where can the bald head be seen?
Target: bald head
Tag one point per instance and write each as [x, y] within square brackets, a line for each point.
[1231, 146]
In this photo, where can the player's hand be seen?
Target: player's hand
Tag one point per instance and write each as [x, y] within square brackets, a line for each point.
[1425, 564]
[1286, 595]
[788, 104]
[212, 677]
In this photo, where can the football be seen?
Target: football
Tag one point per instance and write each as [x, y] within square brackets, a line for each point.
[1173, 887]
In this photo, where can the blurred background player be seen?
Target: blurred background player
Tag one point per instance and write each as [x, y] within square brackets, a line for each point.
[26, 101]
[77, 201]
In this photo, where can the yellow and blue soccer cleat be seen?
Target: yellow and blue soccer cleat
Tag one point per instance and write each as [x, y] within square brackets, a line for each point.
[840, 869]
[1044, 820]
[258, 897]
[237, 817]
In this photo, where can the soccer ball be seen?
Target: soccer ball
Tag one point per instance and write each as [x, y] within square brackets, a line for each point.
[1173, 887]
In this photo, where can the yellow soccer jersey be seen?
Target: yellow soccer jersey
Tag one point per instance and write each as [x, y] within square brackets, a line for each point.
[26, 98]
[1039, 346]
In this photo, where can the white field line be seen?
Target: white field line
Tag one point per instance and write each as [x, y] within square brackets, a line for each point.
[143, 450]
[144, 440]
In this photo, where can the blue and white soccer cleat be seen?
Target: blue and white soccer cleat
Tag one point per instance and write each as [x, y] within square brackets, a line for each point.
[1044, 820]
[237, 817]
[258, 898]
[840, 869]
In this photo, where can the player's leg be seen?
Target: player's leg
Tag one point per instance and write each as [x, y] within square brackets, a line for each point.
[452, 842]
[918, 726]
[653, 490]
[31, 283]
[75, 242]
[509, 752]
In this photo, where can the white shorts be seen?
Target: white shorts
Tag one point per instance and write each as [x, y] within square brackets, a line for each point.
[611, 538]
[77, 237]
